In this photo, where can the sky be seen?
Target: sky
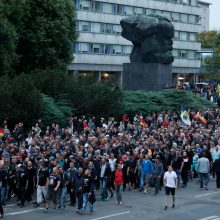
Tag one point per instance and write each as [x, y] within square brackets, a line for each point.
[214, 14]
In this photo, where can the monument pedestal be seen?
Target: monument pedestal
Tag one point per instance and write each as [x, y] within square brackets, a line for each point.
[146, 76]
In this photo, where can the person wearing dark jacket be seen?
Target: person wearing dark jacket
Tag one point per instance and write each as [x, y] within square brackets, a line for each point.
[157, 174]
[217, 168]
[78, 187]
[104, 176]
[88, 192]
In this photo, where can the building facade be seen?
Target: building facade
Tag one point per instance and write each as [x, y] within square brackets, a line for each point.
[101, 51]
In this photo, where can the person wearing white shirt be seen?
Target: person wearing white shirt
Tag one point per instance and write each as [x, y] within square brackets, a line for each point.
[170, 183]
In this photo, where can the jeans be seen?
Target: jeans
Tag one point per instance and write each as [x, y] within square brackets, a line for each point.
[41, 190]
[103, 185]
[118, 189]
[3, 193]
[205, 177]
[85, 202]
[79, 196]
[63, 194]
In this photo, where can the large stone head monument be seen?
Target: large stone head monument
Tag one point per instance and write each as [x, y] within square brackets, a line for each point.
[151, 57]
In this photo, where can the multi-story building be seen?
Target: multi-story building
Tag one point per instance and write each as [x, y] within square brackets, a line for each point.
[101, 51]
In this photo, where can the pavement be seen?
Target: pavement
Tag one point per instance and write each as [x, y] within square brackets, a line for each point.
[192, 203]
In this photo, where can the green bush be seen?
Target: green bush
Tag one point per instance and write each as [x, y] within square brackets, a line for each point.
[98, 99]
[20, 100]
[166, 100]
[55, 111]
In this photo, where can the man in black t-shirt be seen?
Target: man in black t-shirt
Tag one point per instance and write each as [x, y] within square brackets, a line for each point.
[31, 175]
[22, 183]
[53, 188]
[42, 183]
[177, 164]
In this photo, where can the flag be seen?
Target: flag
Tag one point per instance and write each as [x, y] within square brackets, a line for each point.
[218, 90]
[201, 118]
[143, 122]
[1, 132]
[185, 116]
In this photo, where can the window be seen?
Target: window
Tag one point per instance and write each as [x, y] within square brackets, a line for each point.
[96, 27]
[194, 2]
[176, 35]
[192, 19]
[148, 11]
[192, 37]
[84, 26]
[158, 12]
[83, 47]
[117, 49]
[119, 9]
[107, 8]
[191, 55]
[107, 28]
[183, 36]
[95, 48]
[108, 49]
[184, 18]
[128, 10]
[175, 16]
[138, 11]
[85, 5]
[117, 29]
[167, 14]
[175, 53]
[97, 6]
[186, 2]
[127, 50]
[183, 54]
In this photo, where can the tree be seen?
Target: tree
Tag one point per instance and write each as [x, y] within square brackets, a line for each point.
[20, 100]
[211, 39]
[98, 99]
[8, 39]
[47, 37]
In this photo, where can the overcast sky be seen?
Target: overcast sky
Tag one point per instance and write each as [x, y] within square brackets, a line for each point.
[214, 14]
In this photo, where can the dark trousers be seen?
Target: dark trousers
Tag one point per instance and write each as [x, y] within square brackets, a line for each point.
[218, 180]
[184, 176]
[29, 192]
[79, 196]
[72, 194]
[12, 188]
[21, 194]
[1, 209]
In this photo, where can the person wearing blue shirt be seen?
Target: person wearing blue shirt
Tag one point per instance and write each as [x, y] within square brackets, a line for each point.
[146, 171]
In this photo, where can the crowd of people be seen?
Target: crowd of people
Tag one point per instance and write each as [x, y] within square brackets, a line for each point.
[87, 159]
[209, 91]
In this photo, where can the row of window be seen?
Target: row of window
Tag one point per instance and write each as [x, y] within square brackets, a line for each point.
[113, 49]
[103, 7]
[96, 27]
[185, 54]
[184, 2]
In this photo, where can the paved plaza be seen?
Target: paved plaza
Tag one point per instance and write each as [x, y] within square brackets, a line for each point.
[192, 204]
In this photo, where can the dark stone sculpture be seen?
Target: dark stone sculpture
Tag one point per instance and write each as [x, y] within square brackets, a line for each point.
[151, 36]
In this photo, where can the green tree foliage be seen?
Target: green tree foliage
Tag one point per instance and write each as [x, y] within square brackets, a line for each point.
[48, 34]
[99, 99]
[211, 39]
[20, 100]
[53, 111]
[166, 100]
[8, 41]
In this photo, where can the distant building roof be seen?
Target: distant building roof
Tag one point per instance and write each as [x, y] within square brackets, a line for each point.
[204, 2]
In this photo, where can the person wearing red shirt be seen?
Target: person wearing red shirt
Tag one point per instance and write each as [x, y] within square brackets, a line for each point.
[119, 180]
